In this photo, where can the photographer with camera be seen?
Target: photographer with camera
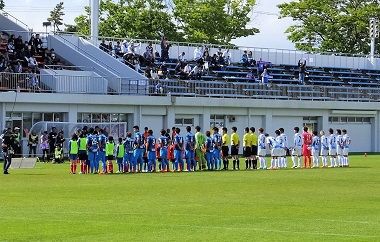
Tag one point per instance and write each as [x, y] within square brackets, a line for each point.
[7, 141]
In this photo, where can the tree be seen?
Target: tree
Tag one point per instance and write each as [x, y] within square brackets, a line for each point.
[141, 19]
[208, 21]
[56, 16]
[2, 4]
[214, 21]
[330, 25]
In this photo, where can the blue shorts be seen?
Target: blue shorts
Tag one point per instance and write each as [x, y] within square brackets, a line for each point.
[151, 155]
[73, 157]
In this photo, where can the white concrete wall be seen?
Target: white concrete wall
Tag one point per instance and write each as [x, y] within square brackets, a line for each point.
[160, 112]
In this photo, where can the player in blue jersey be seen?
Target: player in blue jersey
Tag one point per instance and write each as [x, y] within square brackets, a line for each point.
[209, 151]
[163, 142]
[150, 145]
[189, 150]
[178, 149]
[138, 148]
[93, 147]
[217, 143]
[102, 150]
[129, 162]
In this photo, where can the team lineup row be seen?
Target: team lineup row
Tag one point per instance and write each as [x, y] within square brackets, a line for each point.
[139, 152]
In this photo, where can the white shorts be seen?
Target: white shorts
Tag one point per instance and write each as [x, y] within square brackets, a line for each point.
[315, 152]
[297, 151]
[324, 152]
[261, 152]
[345, 151]
[277, 152]
[283, 152]
[339, 151]
[332, 152]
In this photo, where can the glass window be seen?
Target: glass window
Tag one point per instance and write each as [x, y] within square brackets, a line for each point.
[105, 118]
[123, 117]
[188, 121]
[343, 119]
[37, 117]
[27, 123]
[58, 117]
[16, 115]
[114, 117]
[179, 121]
[79, 117]
[367, 120]
[95, 118]
[351, 119]
[48, 117]
[334, 119]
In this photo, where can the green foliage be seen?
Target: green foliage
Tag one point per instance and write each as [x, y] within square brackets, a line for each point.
[332, 204]
[330, 25]
[214, 21]
[211, 21]
[56, 16]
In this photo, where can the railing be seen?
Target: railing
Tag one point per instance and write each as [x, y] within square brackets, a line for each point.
[276, 56]
[184, 88]
[14, 19]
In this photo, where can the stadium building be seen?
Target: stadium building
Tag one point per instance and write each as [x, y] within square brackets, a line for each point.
[89, 85]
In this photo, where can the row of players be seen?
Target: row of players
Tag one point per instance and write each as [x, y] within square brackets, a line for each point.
[139, 152]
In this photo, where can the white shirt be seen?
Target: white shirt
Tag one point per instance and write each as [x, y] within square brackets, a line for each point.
[261, 141]
[197, 54]
[187, 69]
[297, 140]
[285, 138]
[332, 142]
[346, 141]
[324, 143]
[280, 141]
[272, 143]
[339, 141]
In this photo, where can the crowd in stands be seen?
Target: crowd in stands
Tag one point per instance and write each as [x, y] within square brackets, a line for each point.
[24, 56]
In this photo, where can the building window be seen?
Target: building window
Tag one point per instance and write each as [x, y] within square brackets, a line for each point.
[101, 117]
[184, 121]
[352, 120]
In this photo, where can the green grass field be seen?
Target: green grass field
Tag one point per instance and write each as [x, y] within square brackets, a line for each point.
[47, 203]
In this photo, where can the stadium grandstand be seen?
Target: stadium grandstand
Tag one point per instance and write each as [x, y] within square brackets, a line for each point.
[63, 77]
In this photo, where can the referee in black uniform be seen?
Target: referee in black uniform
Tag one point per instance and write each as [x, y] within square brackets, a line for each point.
[6, 145]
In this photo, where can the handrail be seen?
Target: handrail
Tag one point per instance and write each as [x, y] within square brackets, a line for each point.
[17, 21]
[222, 46]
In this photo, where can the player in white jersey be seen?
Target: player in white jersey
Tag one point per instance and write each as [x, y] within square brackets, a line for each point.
[339, 147]
[281, 145]
[315, 149]
[261, 149]
[324, 148]
[283, 162]
[297, 148]
[332, 148]
[275, 150]
[346, 147]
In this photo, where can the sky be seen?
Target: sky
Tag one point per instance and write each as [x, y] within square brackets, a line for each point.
[264, 17]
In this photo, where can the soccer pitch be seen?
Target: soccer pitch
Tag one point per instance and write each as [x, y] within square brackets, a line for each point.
[47, 203]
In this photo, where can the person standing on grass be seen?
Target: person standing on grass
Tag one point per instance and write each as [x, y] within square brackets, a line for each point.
[82, 153]
[217, 142]
[261, 149]
[324, 148]
[178, 149]
[283, 162]
[151, 151]
[120, 153]
[110, 152]
[73, 153]
[189, 150]
[163, 142]
[254, 141]
[44, 145]
[315, 149]
[93, 148]
[346, 147]
[138, 148]
[225, 149]
[247, 145]
[129, 162]
[200, 141]
[339, 147]
[6, 145]
[102, 150]
[306, 148]
[209, 151]
[297, 148]
[235, 143]
[332, 148]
